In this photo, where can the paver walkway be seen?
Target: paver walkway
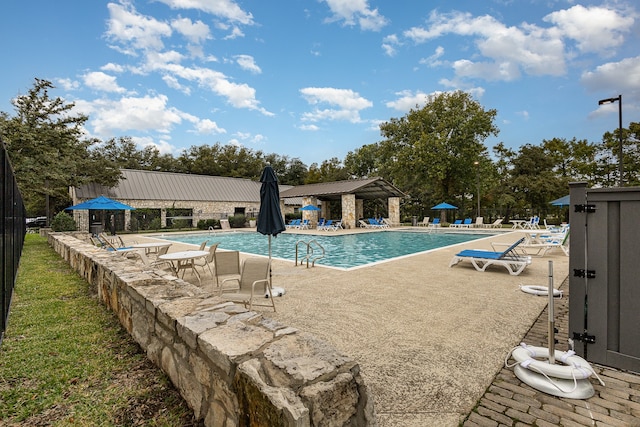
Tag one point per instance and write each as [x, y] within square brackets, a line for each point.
[509, 402]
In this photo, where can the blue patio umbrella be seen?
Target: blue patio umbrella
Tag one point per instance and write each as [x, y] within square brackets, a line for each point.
[442, 206]
[309, 208]
[270, 220]
[102, 203]
[562, 201]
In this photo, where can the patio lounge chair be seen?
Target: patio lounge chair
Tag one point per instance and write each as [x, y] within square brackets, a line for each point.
[335, 226]
[425, 221]
[435, 223]
[479, 222]
[252, 284]
[540, 245]
[496, 224]
[466, 223]
[327, 224]
[456, 224]
[481, 259]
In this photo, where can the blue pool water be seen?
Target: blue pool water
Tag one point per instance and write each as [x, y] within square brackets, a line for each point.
[342, 251]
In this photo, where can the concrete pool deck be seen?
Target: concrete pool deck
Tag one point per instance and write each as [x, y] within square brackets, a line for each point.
[429, 339]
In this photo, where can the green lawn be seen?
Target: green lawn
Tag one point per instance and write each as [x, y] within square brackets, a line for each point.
[65, 360]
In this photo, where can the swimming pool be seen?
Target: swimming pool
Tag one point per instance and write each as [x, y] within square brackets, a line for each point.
[342, 251]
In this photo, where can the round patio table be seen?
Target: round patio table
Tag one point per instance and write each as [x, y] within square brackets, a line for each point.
[184, 260]
[151, 247]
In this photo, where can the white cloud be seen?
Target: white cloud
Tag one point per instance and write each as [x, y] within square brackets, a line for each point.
[195, 32]
[101, 81]
[595, 29]
[208, 127]
[614, 78]
[390, 43]
[234, 34]
[68, 84]
[114, 68]
[349, 104]
[356, 12]
[311, 128]
[108, 117]
[433, 60]
[225, 9]
[134, 31]
[508, 50]
[408, 100]
[246, 62]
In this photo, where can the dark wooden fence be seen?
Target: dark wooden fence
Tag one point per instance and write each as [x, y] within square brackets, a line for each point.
[604, 271]
[12, 231]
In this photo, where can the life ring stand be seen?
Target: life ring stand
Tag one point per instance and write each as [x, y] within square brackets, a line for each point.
[571, 367]
[540, 290]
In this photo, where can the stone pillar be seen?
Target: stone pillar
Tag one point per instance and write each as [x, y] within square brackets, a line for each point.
[359, 209]
[127, 220]
[394, 210]
[163, 217]
[312, 216]
[349, 210]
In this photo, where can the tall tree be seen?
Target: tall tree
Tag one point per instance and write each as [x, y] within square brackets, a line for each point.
[431, 151]
[46, 146]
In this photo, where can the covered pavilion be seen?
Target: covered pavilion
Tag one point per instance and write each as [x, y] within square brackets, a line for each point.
[351, 195]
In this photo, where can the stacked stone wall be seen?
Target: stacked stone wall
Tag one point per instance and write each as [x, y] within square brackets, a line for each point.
[233, 367]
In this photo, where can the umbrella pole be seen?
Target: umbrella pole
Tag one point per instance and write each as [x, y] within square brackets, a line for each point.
[270, 283]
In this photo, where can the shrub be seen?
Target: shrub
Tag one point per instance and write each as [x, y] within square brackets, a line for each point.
[154, 224]
[237, 221]
[204, 224]
[63, 222]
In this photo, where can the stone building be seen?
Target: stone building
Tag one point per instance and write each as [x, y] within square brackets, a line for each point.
[170, 197]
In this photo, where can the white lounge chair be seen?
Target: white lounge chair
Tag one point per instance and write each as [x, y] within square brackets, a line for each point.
[481, 259]
[540, 245]
[479, 222]
[496, 224]
[425, 221]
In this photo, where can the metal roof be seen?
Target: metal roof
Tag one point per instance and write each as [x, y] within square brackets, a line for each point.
[369, 188]
[151, 185]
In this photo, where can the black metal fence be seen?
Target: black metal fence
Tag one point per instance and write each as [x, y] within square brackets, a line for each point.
[12, 231]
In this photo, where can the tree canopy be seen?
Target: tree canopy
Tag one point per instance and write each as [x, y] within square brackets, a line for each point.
[434, 153]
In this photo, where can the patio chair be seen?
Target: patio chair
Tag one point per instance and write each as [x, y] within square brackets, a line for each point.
[496, 224]
[425, 221]
[479, 222]
[541, 244]
[456, 224]
[435, 223]
[252, 284]
[227, 263]
[208, 260]
[335, 226]
[466, 223]
[481, 259]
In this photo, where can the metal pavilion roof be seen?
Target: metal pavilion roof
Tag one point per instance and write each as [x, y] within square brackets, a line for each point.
[369, 188]
[151, 185]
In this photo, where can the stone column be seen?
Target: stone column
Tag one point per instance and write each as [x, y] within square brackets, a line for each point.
[312, 216]
[359, 209]
[127, 220]
[163, 217]
[349, 210]
[394, 210]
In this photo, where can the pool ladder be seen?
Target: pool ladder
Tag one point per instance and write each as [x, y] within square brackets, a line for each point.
[310, 252]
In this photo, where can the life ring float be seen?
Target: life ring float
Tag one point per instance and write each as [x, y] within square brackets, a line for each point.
[277, 292]
[540, 290]
[571, 366]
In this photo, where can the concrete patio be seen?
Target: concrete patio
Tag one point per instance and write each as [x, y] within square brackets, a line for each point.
[429, 339]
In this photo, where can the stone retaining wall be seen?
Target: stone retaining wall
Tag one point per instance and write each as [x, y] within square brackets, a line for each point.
[232, 366]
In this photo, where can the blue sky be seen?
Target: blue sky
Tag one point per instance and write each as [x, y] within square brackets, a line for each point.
[312, 79]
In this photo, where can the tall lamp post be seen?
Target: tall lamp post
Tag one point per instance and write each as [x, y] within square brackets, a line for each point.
[620, 152]
[477, 186]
